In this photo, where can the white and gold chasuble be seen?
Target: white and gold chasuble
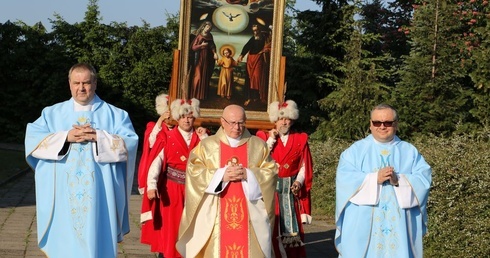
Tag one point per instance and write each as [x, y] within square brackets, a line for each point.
[212, 222]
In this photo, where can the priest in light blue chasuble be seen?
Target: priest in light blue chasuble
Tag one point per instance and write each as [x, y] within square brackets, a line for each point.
[382, 186]
[83, 153]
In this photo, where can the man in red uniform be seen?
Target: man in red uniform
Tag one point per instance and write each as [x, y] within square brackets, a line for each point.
[153, 129]
[293, 204]
[165, 189]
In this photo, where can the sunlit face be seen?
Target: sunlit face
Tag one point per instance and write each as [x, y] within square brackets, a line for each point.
[82, 86]
[283, 125]
[233, 122]
[383, 133]
[186, 122]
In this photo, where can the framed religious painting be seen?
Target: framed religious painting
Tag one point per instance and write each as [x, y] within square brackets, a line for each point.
[230, 52]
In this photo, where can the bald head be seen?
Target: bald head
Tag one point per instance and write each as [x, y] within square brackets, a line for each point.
[233, 121]
[233, 110]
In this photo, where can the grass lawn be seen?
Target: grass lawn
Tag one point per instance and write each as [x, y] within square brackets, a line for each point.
[12, 162]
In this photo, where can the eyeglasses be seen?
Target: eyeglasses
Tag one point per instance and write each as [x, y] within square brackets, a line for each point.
[385, 123]
[232, 124]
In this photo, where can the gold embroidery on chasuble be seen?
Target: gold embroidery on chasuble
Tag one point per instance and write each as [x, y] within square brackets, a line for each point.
[80, 182]
[234, 212]
[44, 143]
[235, 251]
[116, 143]
[385, 152]
[83, 120]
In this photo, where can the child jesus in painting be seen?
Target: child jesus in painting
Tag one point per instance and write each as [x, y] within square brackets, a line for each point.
[226, 75]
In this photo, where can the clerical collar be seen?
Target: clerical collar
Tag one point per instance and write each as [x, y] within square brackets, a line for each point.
[233, 142]
[385, 143]
[88, 107]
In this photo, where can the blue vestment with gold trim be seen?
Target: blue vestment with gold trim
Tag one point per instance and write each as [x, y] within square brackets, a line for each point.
[81, 203]
[383, 229]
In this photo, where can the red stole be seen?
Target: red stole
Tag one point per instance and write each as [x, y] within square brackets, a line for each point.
[233, 207]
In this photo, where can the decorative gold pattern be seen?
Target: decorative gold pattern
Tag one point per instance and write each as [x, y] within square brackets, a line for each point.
[234, 213]
[80, 180]
[286, 166]
[234, 251]
[44, 143]
[116, 143]
[183, 158]
[83, 120]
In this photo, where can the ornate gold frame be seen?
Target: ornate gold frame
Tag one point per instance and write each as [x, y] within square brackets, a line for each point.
[180, 85]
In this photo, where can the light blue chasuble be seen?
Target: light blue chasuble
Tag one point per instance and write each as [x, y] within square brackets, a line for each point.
[383, 229]
[82, 204]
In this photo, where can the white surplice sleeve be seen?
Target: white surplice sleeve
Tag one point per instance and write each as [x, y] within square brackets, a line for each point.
[51, 146]
[109, 148]
[368, 193]
[404, 194]
[251, 187]
[216, 181]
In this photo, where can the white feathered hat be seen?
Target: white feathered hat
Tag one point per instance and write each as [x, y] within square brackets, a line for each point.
[161, 103]
[181, 107]
[287, 109]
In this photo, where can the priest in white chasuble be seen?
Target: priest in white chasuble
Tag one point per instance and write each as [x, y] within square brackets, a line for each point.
[230, 185]
[83, 153]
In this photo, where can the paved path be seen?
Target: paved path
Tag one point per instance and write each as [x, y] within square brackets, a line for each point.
[18, 234]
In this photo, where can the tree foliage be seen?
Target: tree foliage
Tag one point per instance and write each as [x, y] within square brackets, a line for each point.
[134, 65]
[312, 67]
[349, 104]
[427, 58]
[436, 92]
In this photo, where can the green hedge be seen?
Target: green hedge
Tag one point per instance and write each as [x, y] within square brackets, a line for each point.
[459, 201]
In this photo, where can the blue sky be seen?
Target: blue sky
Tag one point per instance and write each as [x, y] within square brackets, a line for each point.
[72, 11]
